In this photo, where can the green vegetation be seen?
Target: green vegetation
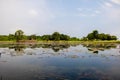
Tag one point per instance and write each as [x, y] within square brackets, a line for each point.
[4, 38]
[96, 36]
[56, 36]
[19, 35]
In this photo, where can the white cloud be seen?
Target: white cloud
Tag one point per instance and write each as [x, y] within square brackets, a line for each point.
[28, 15]
[88, 12]
[110, 11]
[107, 4]
[116, 1]
[84, 9]
[113, 13]
[110, 17]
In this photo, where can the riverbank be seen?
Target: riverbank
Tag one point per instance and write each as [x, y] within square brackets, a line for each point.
[59, 42]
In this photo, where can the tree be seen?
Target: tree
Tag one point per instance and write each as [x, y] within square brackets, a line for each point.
[95, 34]
[64, 37]
[46, 37]
[32, 37]
[90, 36]
[56, 36]
[113, 38]
[101, 36]
[19, 35]
[38, 37]
[11, 37]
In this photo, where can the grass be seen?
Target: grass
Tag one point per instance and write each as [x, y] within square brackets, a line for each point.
[7, 42]
[63, 42]
[95, 42]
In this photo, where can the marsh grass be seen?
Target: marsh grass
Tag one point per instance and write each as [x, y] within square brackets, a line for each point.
[61, 42]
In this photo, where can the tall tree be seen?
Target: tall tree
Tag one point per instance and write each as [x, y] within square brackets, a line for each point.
[56, 36]
[90, 36]
[95, 34]
[19, 35]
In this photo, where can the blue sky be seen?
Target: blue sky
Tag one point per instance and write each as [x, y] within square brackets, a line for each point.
[72, 17]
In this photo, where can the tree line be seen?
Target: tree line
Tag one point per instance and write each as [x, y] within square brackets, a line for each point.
[56, 36]
[95, 35]
[19, 35]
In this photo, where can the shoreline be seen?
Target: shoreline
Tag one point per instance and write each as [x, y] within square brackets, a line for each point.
[58, 42]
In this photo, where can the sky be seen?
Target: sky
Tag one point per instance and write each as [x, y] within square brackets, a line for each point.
[72, 17]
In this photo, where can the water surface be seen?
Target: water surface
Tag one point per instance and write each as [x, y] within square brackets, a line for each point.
[60, 62]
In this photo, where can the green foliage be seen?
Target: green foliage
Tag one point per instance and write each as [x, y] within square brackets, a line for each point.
[19, 35]
[113, 38]
[3, 38]
[90, 36]
[74, 39]
[96, 36]
[64, 37]
[93, 35]
[84, 39]
[56, 36]
[46, 37]
[11, 37]
[32, 37]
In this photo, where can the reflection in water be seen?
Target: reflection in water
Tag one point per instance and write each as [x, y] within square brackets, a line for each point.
[56, 47]
[18, 50]
[60, 62]
[0, 55]
[99, 47]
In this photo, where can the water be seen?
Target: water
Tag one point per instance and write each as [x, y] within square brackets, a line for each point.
[63, 62]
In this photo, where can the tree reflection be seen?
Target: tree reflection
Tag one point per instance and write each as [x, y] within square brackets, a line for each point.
[19, 49]
[0, 55]
[56, 47]
[99, 47]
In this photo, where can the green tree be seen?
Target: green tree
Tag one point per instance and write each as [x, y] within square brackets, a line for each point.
[101, 36]
[11, 37]
[64, 37]
[46, 37]
[95, 34]
[39, 38]
[113, 38]
[19, 35]
[90, 36]
[56, 36]
[32, 37]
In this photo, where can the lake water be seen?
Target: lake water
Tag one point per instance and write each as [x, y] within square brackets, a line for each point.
[63, 62]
